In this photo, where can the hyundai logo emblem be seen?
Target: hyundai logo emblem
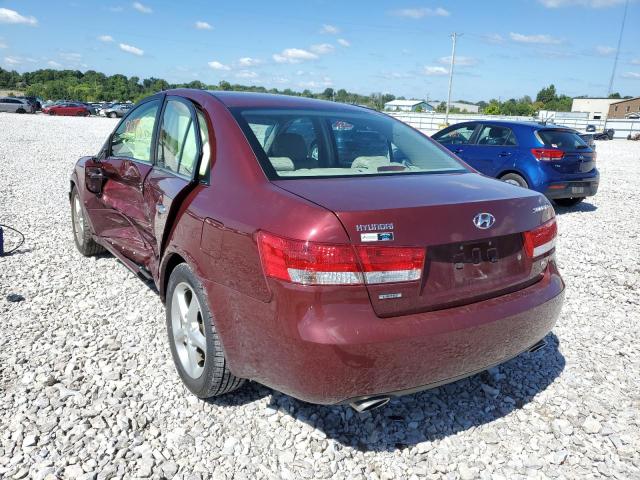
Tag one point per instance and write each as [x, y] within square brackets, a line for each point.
[484, 220]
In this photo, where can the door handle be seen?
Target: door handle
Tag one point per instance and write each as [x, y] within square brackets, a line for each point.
[161, 209]
[504, 154]
[458, 150]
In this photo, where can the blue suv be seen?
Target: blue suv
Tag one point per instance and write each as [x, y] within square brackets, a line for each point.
[550, 159]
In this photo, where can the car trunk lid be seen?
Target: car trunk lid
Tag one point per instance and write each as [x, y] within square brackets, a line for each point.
[463, 263]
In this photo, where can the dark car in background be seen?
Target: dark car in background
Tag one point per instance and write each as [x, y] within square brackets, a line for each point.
[35, 101]
[332, 281]
[550, 159]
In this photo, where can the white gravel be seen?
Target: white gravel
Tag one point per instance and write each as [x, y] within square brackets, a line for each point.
[88, 388]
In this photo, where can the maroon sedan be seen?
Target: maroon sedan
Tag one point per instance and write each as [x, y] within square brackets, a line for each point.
[68, 109]
[325, 250]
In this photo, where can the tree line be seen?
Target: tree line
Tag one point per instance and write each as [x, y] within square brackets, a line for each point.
[90, 86]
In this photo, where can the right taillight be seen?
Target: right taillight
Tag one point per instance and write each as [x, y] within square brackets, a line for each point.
[313, 263]
[547, 154]
[541, 239]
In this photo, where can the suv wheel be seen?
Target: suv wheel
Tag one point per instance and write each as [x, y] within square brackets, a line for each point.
[568, 202]
[81, 234]
[515, 179]
[193, 338]
[20, 110]
[112, 115]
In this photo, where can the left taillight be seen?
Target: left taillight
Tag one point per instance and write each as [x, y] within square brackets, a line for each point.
[541, 239]
[314, 263]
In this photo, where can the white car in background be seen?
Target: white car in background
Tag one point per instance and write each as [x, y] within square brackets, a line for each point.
[116, 110]
[15, 105]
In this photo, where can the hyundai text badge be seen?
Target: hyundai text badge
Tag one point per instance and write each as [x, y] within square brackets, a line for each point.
[484, 220]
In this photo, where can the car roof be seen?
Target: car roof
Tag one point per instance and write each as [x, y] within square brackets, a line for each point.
[514, 123]
[270, 100]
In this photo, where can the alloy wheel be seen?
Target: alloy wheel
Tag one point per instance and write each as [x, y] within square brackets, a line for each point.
[78, 220]
[188, 329]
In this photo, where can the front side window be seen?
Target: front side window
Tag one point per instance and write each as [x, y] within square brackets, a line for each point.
[457, 136]
[134, 136]
[491, 135]
[300, 143]
[177, 142]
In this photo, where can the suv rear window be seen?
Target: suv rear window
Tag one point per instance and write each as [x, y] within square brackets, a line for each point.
[293, 143]
[562, 139]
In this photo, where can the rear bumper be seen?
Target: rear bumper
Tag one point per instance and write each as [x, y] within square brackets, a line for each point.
[586, 187]
[327, 348]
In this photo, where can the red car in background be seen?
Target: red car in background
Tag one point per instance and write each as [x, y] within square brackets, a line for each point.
[68, 109]
[325, 250]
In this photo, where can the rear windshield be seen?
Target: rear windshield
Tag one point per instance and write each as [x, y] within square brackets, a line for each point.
[293, 143]
[562, 139]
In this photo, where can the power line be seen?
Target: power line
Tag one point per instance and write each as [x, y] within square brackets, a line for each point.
[615, 61]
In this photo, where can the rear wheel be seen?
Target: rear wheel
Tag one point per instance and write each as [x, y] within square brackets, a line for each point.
[515, 179]
[112, 115]
[81, 234]
[51, 112]
[193, 338]
[568, 202]
[20, 110]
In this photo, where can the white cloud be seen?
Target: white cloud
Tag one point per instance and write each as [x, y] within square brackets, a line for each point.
[417, 13]
[54, 64]
[249, 62]
[11, 16]
[71, 56]
[141, 8]
[604, 50]
[12, 60]
[330, 29]
[539, 39]
[246, 74]
[200, 25]
[435, 71]
[218, 66]
[581, 3]
[634, 75]
[105, 38]
[635, 61]
[322, 48]
[131, 49]
[344, 43]
[493, 38]
[3, 45]
[294, 55]
[325, 82]
[461, 61]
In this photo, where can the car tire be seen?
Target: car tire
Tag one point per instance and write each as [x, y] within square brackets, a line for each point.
[20, 110]
[515, 179]
[112, 115]
[195, 344]
[568, 202]
[52, 113]
[85, 243]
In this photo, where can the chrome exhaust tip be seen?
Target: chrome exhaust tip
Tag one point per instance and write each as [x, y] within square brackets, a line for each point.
[368, 404]
[537, 346]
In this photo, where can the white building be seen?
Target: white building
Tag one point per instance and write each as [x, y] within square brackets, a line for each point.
[597, 108]
[407, 106]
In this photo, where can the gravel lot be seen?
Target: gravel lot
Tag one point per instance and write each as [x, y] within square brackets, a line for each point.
[88, 388]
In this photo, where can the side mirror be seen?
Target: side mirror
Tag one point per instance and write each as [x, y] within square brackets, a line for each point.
[93, 177]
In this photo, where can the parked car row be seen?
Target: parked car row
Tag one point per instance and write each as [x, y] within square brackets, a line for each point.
[16, 105]
[330, 251]
[63, 107]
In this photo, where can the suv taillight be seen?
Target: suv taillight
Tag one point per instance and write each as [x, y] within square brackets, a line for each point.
[311, 263]
[541, 239]
[547, 154]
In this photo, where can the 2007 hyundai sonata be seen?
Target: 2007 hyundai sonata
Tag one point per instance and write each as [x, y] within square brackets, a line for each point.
[324, 250]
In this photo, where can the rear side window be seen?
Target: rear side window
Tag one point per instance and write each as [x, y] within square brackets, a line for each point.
[178, 144]
[319, 143]
[457, 136]
[492, 135]
[562, 139]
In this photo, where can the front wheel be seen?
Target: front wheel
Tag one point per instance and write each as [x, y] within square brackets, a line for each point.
[568, 202]
[193, 338]
[81, 234]
[515, 179]
[20, 110]
[112, 115]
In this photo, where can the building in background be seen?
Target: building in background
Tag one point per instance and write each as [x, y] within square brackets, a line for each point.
[597, 108]
[629, 108]
[463, 107]
[408, 106]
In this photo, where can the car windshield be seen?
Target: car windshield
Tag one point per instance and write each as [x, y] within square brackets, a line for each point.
[293, 143]
[562, 139]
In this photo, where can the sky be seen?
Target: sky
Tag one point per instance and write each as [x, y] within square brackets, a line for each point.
[507, 48]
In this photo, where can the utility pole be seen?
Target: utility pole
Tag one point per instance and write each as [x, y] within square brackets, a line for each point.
[454, 36]
[615, 61]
